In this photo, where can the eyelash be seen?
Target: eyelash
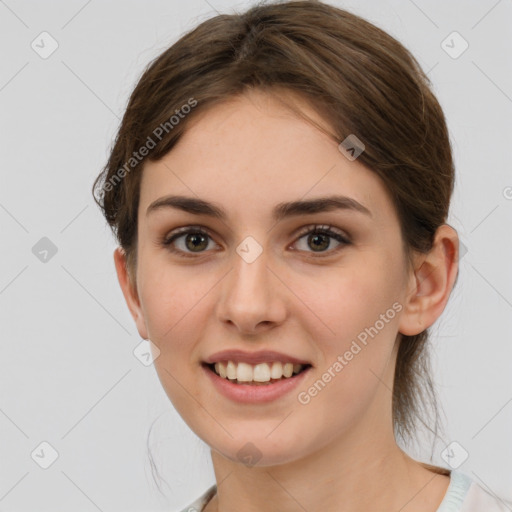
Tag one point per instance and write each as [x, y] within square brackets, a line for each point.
[307, 230]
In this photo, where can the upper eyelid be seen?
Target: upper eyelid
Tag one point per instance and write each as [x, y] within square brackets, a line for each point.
[298, 233]
[320, 227]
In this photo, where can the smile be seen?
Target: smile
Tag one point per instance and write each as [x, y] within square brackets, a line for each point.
[246, 388]
[258, 374]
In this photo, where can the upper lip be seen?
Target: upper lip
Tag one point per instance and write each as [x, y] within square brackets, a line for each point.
[263, 356]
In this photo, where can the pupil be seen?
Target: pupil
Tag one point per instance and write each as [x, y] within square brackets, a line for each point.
[198, 240]
[316, 236]
[194, 241]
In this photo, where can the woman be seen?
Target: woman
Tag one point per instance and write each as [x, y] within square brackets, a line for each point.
[279, 188]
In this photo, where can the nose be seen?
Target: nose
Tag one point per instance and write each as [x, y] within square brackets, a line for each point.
[252, 296]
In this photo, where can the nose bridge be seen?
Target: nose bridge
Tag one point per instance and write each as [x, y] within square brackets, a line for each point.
[250, 273]
[250, 293]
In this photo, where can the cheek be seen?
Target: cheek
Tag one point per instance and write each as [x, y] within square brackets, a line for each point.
[174, 307]
[359, 319]
[172, 298]
[341, 305]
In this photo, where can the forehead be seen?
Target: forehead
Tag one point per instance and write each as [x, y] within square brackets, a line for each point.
[251, 153]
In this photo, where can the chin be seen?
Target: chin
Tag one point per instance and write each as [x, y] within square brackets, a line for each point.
[256, 451]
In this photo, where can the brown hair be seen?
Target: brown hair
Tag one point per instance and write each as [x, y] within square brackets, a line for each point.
[356, 76]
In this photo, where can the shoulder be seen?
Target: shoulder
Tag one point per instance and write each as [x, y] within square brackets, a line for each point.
[479, 498]
[199, 504]
[466, 495]
[463, 495]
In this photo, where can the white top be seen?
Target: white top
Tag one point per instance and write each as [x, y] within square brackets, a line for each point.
[463, 495]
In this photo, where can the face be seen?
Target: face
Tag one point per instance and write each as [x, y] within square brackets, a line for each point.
[254, 282]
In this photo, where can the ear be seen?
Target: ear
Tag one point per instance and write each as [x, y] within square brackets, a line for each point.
[129, 291]
[432, 282]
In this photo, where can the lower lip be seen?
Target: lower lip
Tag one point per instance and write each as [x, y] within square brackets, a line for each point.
[250, 394]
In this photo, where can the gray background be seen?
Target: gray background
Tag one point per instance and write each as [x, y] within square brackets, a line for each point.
[68, 373]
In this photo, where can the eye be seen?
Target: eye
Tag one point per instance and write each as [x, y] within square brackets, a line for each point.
[320, 238]
[195, 239]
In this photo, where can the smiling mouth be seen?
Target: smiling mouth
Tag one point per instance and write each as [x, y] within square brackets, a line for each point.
[262, 374]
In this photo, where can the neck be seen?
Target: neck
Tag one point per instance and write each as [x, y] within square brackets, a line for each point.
[346, 477]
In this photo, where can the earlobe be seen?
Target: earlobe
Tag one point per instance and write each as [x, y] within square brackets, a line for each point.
[434, 277]
[129, 291]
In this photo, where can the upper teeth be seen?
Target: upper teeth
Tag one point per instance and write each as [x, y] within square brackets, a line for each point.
[261, 372]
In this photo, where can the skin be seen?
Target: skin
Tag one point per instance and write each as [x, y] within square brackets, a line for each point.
[337, 452]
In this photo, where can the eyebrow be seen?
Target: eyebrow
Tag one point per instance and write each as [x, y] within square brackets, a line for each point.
[281, 211]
